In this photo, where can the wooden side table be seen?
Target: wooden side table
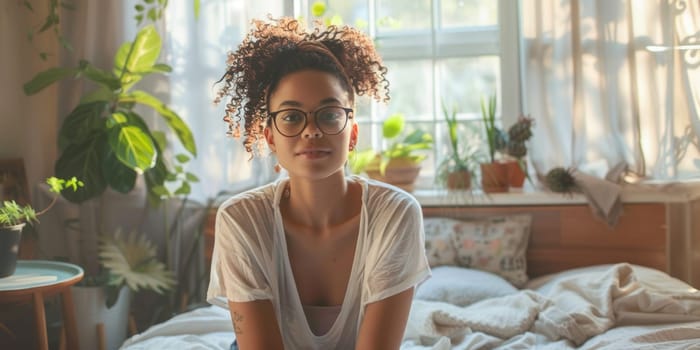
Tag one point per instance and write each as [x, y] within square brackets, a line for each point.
[35, 280]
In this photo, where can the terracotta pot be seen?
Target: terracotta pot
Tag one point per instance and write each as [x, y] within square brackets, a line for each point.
[10, 237]
[459, 180]
[494, 177]
[516, 175]
[399, 172]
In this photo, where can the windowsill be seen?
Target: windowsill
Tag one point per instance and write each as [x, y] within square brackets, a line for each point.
[644, 193]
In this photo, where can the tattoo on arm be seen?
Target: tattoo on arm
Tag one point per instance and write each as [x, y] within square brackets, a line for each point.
[237, 320]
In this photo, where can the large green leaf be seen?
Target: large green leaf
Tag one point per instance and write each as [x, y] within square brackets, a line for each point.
[131, 144]
[48, 77]
[139, 56]
[82, 124]
[118, 176]
[183, 132]
[83, 162]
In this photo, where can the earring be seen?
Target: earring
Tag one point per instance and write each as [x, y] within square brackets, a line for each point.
[278, 168]
[352, 146]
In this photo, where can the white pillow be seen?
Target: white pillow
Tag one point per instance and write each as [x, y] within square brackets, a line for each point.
[462, 286]
[650, 278]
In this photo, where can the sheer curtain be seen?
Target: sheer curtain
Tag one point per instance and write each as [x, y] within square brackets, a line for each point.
[196, 49]
[613, 81]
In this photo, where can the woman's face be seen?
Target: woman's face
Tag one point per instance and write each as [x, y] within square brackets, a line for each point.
[312, 154]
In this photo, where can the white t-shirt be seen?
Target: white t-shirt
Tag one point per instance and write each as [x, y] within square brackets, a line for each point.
[250, 260]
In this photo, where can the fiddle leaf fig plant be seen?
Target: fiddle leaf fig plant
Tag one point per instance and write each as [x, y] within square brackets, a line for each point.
[104, 140]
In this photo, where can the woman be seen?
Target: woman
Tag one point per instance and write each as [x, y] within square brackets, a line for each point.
[317, 260]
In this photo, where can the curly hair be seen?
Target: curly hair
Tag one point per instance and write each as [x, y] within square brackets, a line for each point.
[273, 49]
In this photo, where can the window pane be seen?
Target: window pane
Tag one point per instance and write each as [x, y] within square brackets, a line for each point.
[410, 85]
[354, 13]
[468, 13]
[464, 81]
[402, 15]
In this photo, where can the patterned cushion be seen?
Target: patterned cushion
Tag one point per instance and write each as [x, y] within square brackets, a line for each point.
[495, 244]
[438, 242]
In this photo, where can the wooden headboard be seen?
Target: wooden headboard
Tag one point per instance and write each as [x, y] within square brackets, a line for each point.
[566, 236]
[569, 236]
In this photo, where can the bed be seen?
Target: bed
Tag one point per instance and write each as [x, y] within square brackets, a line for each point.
[521, 278]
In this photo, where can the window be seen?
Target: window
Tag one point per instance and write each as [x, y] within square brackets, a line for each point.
[436, 50]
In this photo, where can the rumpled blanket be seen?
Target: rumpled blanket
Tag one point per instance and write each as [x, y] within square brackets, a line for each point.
[569, 313]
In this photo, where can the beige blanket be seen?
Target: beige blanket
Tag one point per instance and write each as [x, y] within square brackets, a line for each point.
[572, 311]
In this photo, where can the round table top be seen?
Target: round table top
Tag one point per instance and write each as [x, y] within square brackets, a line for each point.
[32, 274]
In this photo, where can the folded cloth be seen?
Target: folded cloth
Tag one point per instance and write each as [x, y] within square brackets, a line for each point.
[603, 196]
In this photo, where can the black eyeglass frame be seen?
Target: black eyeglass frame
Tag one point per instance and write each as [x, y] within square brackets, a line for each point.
[273, 115]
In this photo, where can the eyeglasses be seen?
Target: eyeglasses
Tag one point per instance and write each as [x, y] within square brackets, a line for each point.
[330, 120]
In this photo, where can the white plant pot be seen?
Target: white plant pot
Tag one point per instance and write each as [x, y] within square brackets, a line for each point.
[92, 311]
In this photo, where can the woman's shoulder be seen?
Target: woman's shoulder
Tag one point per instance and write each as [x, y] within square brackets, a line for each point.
[259, 199]
[383, 195]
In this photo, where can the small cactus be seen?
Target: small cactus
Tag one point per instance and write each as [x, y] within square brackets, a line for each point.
[521, 131]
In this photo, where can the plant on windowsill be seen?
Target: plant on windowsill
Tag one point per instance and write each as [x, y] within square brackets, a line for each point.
[458, 168]
[13, 218]
[494, 174]
[516, 150]
[400, 163]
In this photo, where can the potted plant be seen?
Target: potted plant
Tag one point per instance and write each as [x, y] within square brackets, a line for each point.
[494, 174]
[104, 141]
[399, 164]
[457, 170]
[14, 217]
[516, 150]
[129, 264]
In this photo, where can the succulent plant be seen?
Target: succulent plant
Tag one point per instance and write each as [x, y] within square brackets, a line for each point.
[521, 131]
[561, 180]
[518, 134]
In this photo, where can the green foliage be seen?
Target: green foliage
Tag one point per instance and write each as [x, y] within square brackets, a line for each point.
[104, 141]
[12, 214]
[497, 139]
[52, 22]
[408, 147]
[132, 261]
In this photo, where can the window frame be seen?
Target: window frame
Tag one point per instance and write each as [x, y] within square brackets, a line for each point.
[502, 40]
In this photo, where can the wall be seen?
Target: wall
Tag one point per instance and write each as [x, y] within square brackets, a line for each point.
[27, 124]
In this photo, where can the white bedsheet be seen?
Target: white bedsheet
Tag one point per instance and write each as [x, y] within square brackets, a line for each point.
[564, 315]
[615, 308]
[204, 328]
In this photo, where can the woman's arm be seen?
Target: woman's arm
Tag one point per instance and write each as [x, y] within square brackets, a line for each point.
[255, 325]
[384, 323]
